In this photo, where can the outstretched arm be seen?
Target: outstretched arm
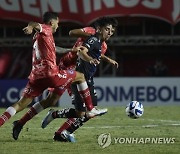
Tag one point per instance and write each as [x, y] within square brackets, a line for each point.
[32, 26]
[109, 60]
[78, 33]
[61, 50]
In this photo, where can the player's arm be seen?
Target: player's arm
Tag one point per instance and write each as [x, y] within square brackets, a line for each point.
[61, 50]
[78, 33]
[32, 26]
[82, 53]
[109, 60]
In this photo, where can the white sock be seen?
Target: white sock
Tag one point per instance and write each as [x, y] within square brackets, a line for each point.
[82, 86]
[38, 107]
[11, 111]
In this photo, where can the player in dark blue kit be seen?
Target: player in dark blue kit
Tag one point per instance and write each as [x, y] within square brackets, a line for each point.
[90, 55]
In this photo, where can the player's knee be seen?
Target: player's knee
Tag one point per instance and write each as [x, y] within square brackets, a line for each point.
[80, 77]
[51, 100]
[21, 104]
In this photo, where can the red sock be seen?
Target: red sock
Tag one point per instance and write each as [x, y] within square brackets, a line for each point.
[29, 115]
[66, 125]
[85, 95]
[10, 111]
[4, 117]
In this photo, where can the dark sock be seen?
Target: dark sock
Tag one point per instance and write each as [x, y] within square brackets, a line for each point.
[72, 124]
[65, 125]
[77, 124]
[65, 113]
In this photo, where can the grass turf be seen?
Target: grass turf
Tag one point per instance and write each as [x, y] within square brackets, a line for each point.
[158, 122]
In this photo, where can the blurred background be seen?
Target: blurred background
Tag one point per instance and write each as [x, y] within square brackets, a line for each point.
[146, 45]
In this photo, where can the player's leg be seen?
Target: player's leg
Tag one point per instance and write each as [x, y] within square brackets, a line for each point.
[24, 101]
[73, 124]
[66, 77]
[78, 122]
[67, 112]
[51, 100]
[86, 97]
[63, 83]
[39, 86]
[12, 110]
[33, 89]
[83, 90]
[62, 134]
[72, 113]
[63, 113]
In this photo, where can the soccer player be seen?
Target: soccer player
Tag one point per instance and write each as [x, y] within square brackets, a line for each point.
[45, 72]
[68, 62]
[91, 48]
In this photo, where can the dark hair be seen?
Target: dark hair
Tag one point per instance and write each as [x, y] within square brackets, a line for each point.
[103, 21]
[49, 15]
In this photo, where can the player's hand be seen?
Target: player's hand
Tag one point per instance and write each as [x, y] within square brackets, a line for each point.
[80, 48]
[77, 49]
[115, 63]
[28, 30]
[94, 62]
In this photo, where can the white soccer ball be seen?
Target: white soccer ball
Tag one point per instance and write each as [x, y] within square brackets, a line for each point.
[134, 109]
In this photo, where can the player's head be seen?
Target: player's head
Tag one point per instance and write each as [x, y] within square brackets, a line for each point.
[51, 18]
[106, 27]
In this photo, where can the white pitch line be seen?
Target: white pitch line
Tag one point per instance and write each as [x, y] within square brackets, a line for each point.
[165, 123]
[144, 126]
[109, 127]
[160, 120]
[155, 120]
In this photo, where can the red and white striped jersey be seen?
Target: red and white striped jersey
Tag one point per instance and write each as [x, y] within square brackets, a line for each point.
[44, 55]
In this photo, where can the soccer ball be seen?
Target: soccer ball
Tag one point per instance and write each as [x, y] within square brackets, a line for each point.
[134, 109]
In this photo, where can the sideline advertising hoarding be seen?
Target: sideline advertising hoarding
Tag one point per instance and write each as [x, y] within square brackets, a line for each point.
[110, 91]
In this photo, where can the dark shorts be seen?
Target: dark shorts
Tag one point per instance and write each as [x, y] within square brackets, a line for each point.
[76, 98]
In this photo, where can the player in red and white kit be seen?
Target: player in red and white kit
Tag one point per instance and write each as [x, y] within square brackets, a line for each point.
[45, 73]
[68, 62]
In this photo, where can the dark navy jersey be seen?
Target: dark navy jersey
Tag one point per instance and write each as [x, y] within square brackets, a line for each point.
[93, 44]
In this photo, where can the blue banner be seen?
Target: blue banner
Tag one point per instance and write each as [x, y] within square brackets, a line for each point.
[10, 91]
[110, 91]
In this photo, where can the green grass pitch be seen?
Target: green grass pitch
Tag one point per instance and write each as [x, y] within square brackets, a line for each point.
[158, 122]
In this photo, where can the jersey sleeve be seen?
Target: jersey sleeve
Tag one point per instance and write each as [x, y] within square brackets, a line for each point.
[89, 30]
[90, 43]
[45, 30]
[103, 48]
